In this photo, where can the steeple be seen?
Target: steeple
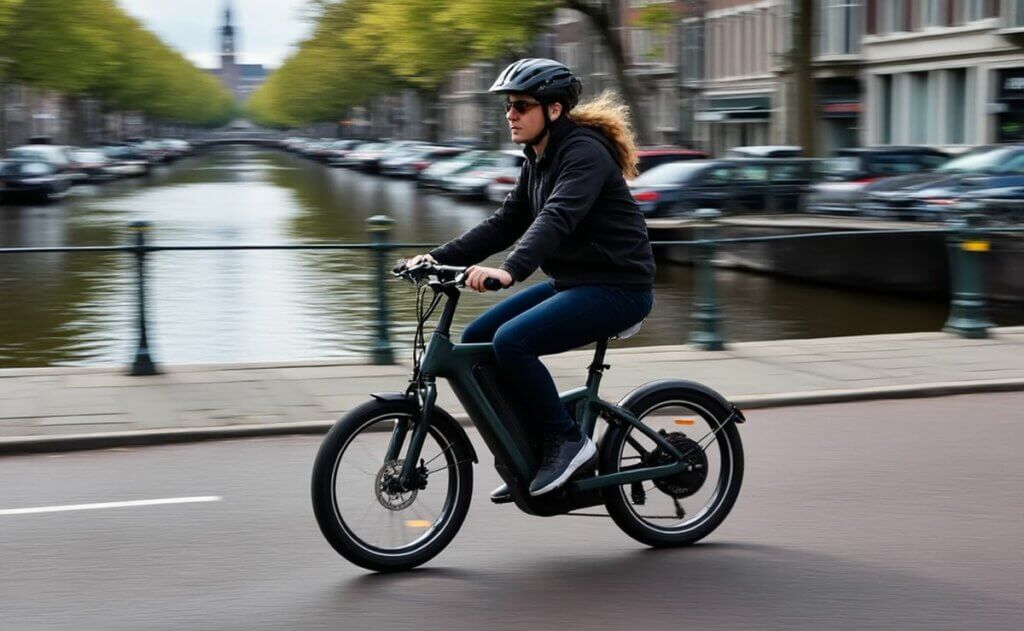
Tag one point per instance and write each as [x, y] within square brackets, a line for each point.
[227, 33]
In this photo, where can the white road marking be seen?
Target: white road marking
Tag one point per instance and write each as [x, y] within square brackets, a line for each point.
[71, 507]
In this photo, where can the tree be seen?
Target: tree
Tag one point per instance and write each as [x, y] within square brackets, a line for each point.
[804, 76]
[60, 46]
[7, 8]
[420, 43]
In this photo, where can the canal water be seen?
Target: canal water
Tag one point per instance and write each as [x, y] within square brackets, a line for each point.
[278, 306]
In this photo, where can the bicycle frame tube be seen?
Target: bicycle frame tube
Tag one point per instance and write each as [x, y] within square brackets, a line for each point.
[456, 363]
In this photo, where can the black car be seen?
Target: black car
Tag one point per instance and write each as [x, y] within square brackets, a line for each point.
[933, 196]
[742, 185]
[845, 175]
[34, 179]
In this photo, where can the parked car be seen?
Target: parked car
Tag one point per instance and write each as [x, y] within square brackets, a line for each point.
[488, 169]
[32, 178]
[313, 147]
[58, 156]
[654, 156]
[410, 164]
[503, 183]
[125, 161]
[176, 148]
[369, 152]
[432, 176]
[933, 196]
[764, 151]
[92, 165]
[337, 150]
[152, 150]
[371, 161]
[845, 175]
[678, 189]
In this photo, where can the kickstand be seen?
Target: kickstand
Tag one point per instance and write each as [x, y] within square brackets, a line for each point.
[680, 513]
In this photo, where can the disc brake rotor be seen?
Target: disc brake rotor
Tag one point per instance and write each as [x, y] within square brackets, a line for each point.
[388, 489]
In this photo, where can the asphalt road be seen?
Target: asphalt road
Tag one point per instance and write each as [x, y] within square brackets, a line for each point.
[901, 514]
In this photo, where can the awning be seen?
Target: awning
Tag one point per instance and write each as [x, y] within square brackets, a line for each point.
[737, 108]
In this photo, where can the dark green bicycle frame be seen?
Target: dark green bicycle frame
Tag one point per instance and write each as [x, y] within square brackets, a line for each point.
[456, 363]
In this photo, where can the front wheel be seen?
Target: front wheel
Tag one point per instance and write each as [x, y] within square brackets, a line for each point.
[361, 508]
[681, 509]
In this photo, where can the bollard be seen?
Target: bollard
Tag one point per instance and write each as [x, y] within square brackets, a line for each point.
[143, 363]
[706, 333]
[966, 243]
[379, 227]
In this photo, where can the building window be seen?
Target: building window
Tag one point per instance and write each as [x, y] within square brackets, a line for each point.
[974, 10]
[841, 27]
[568, 54]
[919, 103]
[693, 51]
[641, 44]
[894, 14]
[885, 109]
[1015, 16]
[956, 110]
[931, 12]
[666, 109]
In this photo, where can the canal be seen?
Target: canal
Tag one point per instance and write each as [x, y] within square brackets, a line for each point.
[277, 306]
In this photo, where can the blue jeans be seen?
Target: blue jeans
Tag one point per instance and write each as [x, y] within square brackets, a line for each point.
[542, 321]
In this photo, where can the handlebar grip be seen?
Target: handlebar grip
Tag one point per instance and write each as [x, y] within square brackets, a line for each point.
[492, 284]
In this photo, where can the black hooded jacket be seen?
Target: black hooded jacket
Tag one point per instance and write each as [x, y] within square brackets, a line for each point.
[572, 214]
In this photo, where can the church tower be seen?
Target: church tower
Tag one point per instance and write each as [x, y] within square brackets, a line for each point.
[227, 37]
[228, 67]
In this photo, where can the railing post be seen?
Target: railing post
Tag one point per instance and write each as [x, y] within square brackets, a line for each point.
[966, 243]
[706, 333]
[143, 363]
[379, 227]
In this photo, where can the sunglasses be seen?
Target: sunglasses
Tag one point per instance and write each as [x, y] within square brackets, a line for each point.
[519, 106]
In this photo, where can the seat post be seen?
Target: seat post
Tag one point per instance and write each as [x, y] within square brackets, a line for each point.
[597, 366]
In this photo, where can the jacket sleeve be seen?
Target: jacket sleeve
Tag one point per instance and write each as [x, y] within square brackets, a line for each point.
[585, 168]
[492, 235]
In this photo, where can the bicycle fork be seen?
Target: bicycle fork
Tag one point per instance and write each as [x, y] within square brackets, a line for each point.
[419, 434]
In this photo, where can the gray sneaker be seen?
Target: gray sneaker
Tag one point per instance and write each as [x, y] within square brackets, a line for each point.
[561, 458]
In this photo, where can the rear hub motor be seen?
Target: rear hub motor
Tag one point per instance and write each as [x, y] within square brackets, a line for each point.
[689, 481]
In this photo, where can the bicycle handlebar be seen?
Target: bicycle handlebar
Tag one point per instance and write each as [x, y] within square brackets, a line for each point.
[447, 275]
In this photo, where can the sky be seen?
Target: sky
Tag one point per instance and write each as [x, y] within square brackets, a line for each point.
[265, 30]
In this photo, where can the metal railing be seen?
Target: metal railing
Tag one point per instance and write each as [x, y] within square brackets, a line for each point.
[967, 240]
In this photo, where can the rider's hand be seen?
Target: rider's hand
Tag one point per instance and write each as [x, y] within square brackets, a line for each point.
[476, 275]
[419, 258]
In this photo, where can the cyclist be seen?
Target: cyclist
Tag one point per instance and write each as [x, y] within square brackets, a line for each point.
[574, 217]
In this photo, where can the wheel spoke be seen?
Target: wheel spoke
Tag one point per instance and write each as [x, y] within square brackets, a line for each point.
[450, 466]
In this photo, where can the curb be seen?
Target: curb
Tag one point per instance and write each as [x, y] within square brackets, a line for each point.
[79, 442]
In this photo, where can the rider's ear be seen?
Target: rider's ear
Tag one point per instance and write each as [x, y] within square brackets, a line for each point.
[554, 110]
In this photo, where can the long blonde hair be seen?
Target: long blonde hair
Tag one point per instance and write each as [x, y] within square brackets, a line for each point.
[609, 115]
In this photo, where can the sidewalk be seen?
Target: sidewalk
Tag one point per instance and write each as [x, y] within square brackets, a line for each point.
[44, 409]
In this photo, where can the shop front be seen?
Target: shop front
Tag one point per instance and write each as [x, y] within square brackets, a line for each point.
[1010, 107]
[736, 121]
[840, 109]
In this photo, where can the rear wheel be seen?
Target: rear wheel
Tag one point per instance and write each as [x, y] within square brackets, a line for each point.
[681, 509]
[361, 508]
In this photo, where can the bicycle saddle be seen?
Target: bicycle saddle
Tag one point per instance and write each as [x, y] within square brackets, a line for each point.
[630, 332]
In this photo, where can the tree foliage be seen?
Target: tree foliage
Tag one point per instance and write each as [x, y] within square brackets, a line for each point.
[361, 49]
[92, 48]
